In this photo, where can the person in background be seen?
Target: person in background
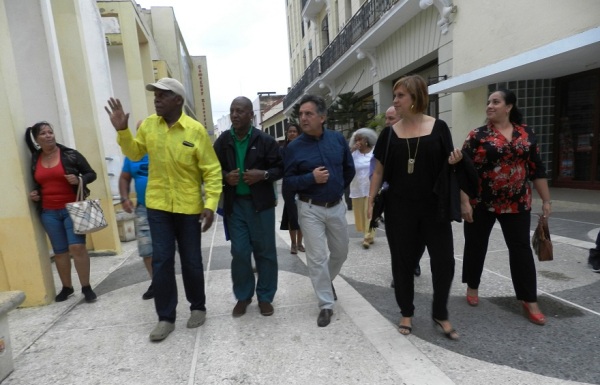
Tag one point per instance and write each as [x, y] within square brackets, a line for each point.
[318, 167]
[594, 258]
[506, 156]
[138, 172]
[417, 214]
[361, 143]
[289, 218]
[57, 171]
[250, 162]
[184, 185]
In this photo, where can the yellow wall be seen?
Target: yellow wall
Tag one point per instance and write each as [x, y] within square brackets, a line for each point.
[84, 113]
[24, 263]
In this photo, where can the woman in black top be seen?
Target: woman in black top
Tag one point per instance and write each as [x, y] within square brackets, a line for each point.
[289, 218]
[420, 154]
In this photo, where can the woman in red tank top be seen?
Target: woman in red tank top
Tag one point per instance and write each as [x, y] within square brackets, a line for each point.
[57, 171]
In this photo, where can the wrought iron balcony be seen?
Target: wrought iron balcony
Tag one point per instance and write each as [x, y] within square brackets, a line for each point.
[366, 17]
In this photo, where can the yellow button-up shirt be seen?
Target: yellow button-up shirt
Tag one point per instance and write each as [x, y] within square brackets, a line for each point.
[181, 160]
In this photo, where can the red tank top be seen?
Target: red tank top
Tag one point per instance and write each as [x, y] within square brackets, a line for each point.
[56, 191]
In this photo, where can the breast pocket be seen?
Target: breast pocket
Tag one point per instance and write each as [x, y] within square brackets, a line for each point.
[186, 156]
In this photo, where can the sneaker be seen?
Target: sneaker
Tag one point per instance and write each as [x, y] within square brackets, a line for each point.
[197, 318]
[89, 294]
[149, 294]
[161, 331]
[65, 293]
[266, 308]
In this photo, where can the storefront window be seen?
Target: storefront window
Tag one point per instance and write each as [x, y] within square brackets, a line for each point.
[578, 159]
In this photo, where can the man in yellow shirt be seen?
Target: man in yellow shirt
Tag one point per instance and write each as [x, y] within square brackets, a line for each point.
[182, 160]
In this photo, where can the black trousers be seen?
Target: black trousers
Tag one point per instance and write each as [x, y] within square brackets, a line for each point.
[409, 226]
[515, 228]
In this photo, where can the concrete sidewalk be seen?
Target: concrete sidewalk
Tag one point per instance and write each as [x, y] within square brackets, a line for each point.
[107, 342]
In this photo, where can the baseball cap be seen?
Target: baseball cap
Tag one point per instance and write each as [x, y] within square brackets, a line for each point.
[168, 84]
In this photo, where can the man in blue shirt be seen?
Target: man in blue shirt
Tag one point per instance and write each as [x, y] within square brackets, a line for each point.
[318, 167]
[138, 171]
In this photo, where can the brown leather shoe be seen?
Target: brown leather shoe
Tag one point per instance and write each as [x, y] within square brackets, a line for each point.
[324, 317]
[240, 308]
[266, 308]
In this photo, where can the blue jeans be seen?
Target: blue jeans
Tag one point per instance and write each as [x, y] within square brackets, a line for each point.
[253, 232]
[59, 227]
[167, 228]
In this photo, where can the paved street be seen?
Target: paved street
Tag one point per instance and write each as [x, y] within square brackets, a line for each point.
[106, 342]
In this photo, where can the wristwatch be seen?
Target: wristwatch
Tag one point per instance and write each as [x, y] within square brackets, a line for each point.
[266, 175]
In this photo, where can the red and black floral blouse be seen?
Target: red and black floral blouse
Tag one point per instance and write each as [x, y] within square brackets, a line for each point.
[505, 168]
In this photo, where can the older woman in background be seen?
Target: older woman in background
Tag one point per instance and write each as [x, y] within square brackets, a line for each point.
[506, 156]
[361, 144]
[57, 171]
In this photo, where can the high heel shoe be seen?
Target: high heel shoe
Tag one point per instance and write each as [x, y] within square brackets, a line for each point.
[472, 300]
[537, 318]
[450, 334]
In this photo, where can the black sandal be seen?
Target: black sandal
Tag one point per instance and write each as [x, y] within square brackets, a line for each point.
[450, 334]
[403, 329]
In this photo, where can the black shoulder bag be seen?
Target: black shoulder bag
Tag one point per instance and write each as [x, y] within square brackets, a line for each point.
[379, 200]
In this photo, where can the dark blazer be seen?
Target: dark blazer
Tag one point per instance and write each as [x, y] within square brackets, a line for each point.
[263, 154]
[73, 162]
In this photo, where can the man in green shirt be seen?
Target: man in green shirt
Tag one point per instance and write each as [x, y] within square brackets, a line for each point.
[250, 162]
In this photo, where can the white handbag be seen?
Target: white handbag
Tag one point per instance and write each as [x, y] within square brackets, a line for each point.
[86, 214]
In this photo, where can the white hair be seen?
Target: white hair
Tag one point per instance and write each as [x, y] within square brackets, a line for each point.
[368, 133]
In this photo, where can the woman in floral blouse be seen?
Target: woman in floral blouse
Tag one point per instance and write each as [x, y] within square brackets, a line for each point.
[506, 155]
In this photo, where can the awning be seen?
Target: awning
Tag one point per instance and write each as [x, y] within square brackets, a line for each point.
[563, 57]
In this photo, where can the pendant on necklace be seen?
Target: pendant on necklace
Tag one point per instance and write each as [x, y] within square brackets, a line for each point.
[411, 165]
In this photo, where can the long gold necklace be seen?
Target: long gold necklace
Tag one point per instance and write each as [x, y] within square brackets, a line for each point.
[411, 161]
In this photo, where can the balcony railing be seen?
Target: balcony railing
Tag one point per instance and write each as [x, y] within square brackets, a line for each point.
[366, 17]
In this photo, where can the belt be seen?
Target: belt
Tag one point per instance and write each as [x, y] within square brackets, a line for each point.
[317, 203]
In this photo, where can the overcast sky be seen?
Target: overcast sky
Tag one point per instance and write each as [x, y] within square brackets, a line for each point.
[245, 42]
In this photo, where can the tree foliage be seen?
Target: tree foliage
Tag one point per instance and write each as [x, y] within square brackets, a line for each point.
[349, 113]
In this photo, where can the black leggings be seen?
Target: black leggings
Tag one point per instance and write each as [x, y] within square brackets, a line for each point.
[515, 228]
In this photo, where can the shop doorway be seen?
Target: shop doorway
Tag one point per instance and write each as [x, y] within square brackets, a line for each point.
[578, 131]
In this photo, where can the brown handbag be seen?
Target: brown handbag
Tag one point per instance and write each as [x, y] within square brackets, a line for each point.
[542, 245]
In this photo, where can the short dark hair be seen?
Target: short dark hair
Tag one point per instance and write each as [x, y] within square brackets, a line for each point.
[317, 100]
[416, 86]
[295, 125]
[247, 103]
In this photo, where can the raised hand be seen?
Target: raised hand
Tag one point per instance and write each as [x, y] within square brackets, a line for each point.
[118, 117]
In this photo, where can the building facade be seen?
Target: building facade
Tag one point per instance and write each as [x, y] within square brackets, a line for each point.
[61, 61]
[544, 50]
